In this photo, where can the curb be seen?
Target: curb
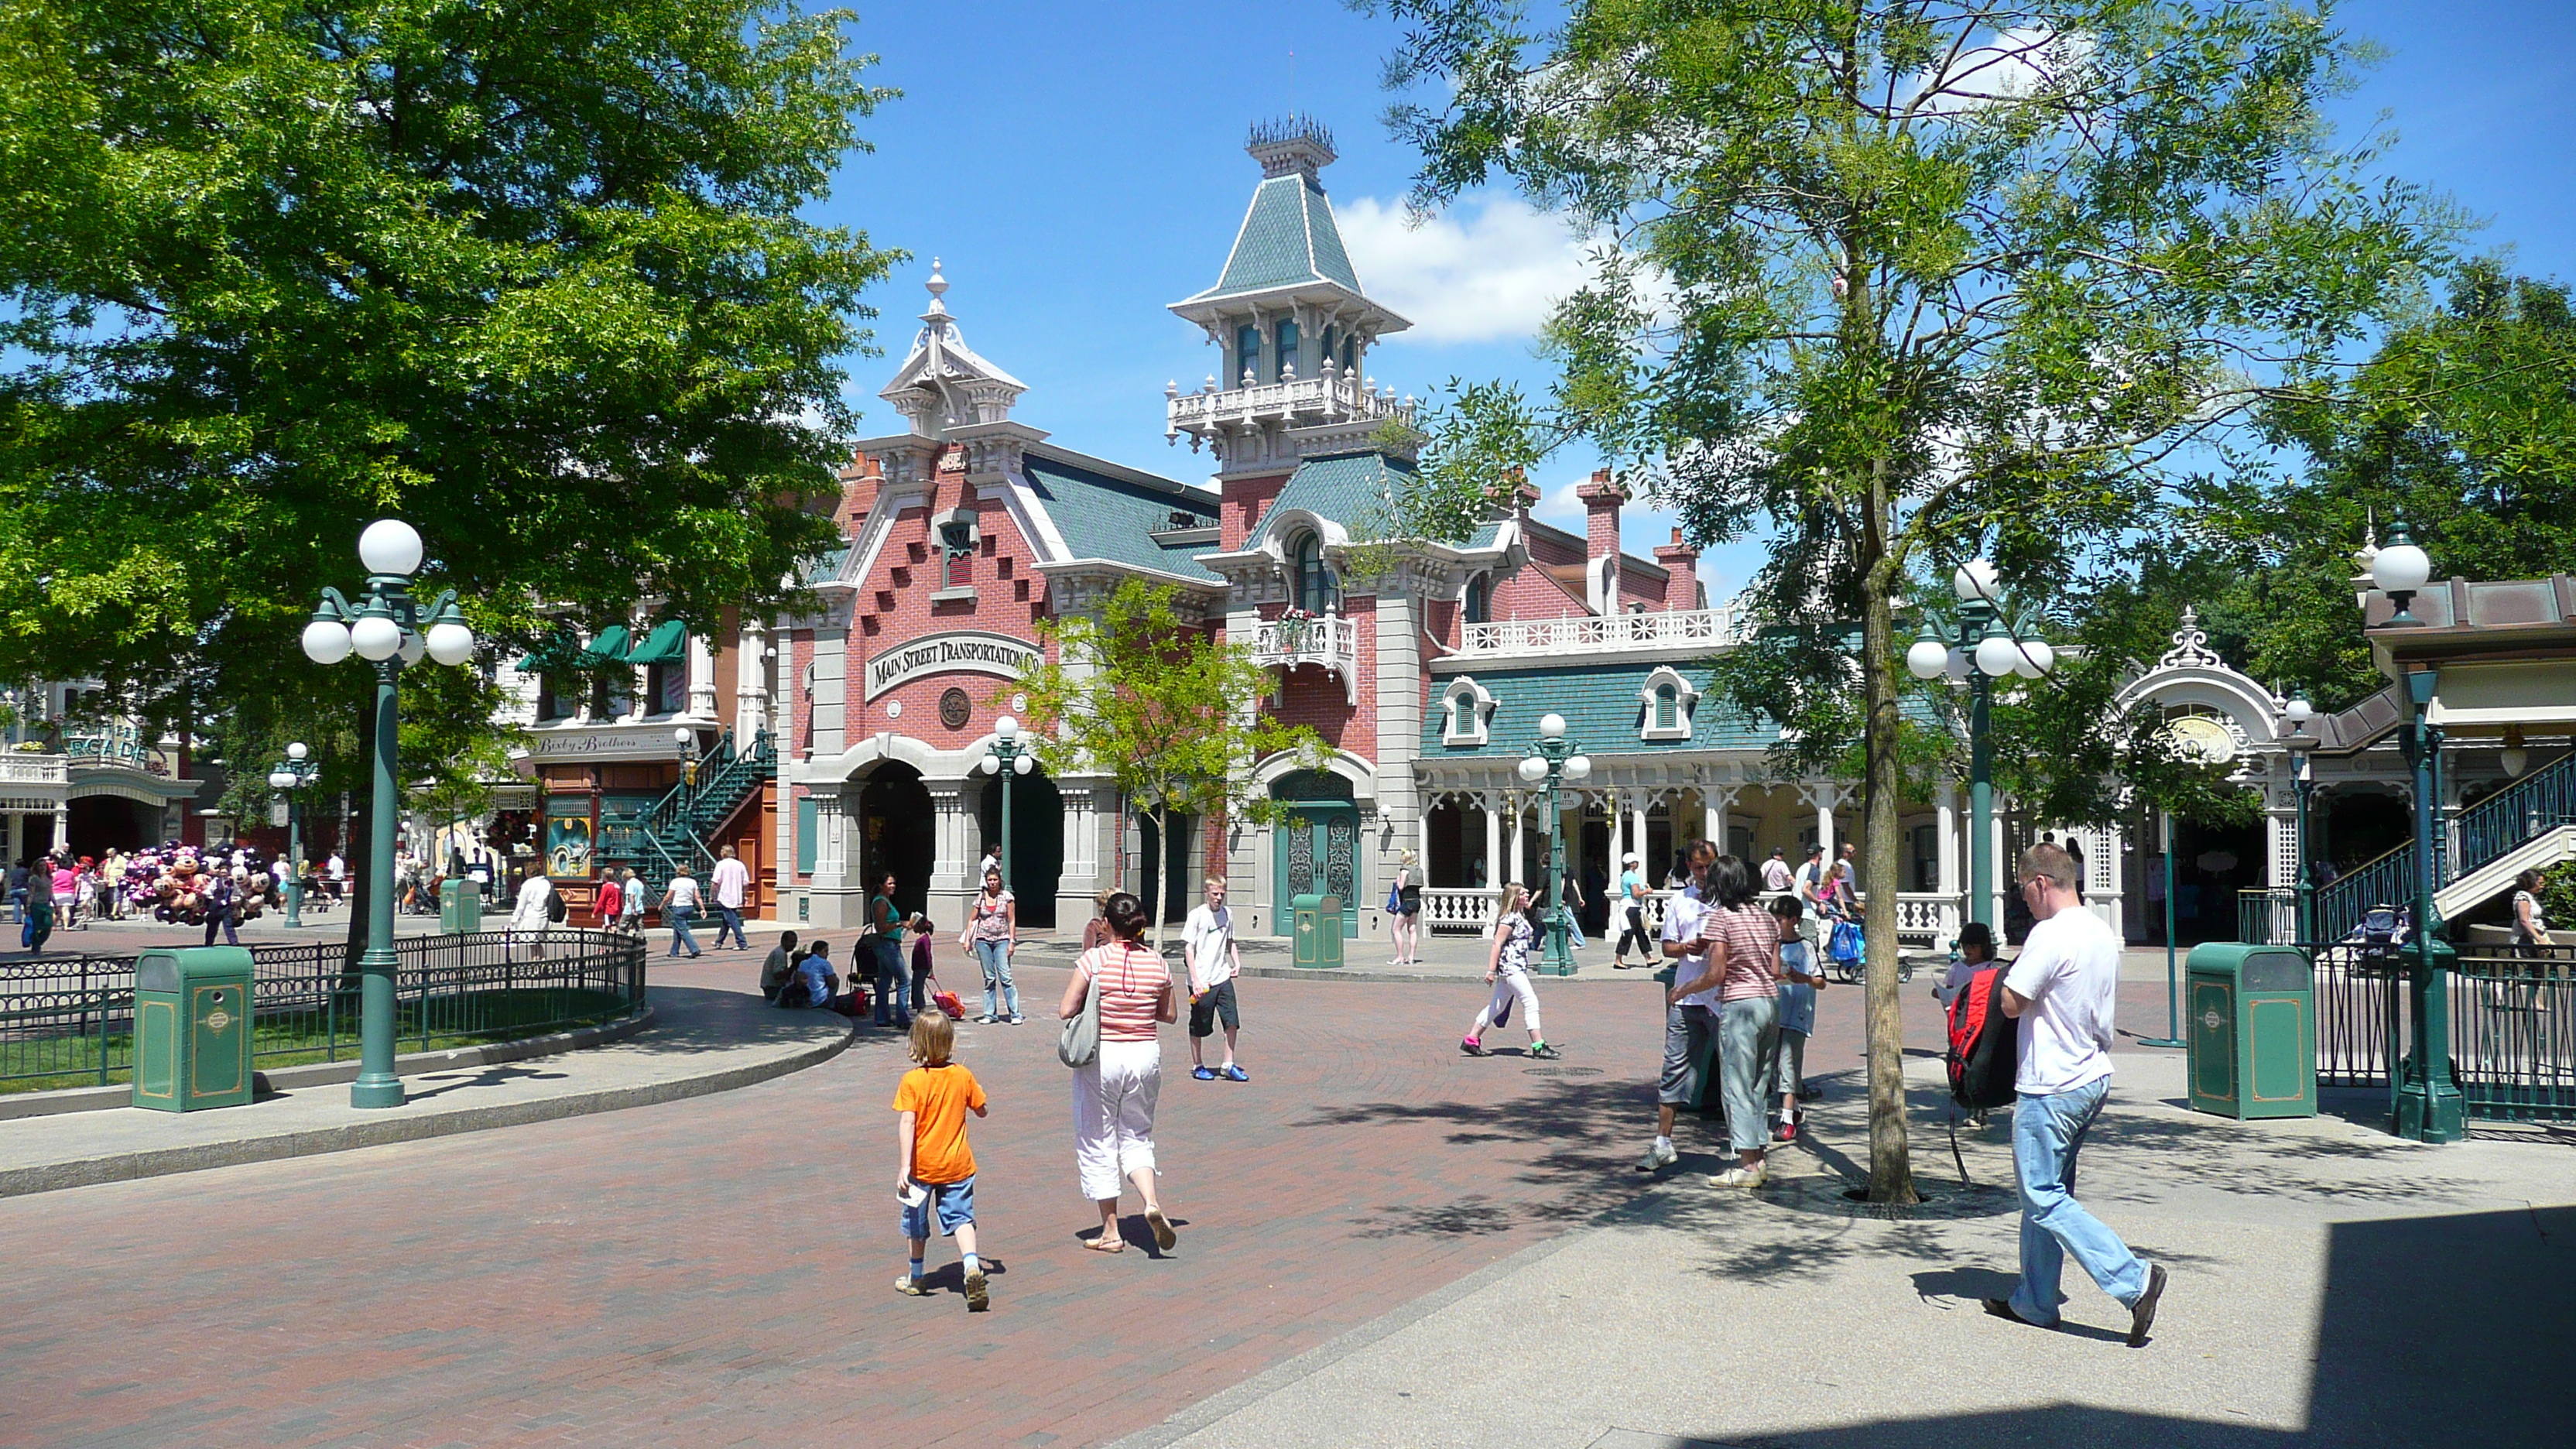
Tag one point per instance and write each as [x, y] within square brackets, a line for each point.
[18, 1106]
[164, 1161]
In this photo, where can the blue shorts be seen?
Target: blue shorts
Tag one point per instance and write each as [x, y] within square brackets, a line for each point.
[956, 1204]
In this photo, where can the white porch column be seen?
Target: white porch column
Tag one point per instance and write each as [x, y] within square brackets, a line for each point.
[702, 679]
[1946, 834]
[1494, 874]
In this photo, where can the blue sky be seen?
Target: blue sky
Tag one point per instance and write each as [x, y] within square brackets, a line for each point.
[1076, 167]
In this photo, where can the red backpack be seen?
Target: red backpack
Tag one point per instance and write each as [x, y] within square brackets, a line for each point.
[1983, 1043]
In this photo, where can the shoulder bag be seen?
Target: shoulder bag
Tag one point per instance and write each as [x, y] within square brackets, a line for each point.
[1079, 1043]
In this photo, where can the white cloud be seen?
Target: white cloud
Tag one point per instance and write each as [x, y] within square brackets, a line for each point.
[1484, 270]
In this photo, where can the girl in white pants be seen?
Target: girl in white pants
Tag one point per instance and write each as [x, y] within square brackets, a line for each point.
[1508, 972]
[1114, 1092]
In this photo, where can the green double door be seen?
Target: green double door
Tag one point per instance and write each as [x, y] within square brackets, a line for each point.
[1317, 849]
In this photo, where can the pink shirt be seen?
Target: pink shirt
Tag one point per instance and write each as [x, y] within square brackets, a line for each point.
[1131, 981]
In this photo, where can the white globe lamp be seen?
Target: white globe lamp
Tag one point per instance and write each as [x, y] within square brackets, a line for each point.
[390, 546]
[376, 638]
[326, 641]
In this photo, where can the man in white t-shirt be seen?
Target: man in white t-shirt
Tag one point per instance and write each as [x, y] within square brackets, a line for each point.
[2061, 991]
[1215, 960]
[1688, 1022]
[730, 883]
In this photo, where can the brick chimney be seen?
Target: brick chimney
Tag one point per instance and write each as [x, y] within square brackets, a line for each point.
[1681, 574]
[1601, 500]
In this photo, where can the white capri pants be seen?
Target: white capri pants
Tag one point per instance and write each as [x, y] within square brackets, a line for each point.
[1113, 1115]
[1507, 986]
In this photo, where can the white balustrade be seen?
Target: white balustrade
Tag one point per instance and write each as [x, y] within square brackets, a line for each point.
[1593, 634]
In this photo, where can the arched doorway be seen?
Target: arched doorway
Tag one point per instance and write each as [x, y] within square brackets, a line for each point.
[1037, 841]
[895, 824]
[1315, 846]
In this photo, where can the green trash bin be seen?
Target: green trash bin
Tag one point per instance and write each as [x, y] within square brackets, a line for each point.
[460, 912]
[192, 1009]
[1318, 924]
[2251, 1025]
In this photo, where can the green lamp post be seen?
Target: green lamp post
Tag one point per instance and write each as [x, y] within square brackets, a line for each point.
[1984, 650]
[1008, 757]
[288, 777]
[388, 629]
[1553, 759]
[2428, 1107]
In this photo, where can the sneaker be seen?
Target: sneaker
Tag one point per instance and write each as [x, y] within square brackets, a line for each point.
[1235, 1073]
[1744, 1177]
[1202, 1073]
[1471, 1046]
[1541, 1051]
[978, 1296]
[1660, 1154]
[910, 1287]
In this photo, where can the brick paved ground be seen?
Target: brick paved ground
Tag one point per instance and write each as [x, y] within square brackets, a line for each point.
[717, 1271]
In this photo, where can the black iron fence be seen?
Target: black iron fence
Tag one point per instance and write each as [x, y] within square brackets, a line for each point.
[2513, 1027]
[69, 1020]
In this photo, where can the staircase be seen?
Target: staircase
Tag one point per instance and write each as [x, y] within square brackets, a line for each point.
[674, 830]
[2528, 825]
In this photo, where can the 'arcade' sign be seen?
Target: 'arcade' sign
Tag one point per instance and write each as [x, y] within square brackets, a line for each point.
[974, 652]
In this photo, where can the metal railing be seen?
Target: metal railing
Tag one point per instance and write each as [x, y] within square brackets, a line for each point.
[1591, 634]
[69, 1021]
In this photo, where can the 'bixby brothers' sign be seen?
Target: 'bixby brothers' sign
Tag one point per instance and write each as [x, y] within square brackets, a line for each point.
[944, 653]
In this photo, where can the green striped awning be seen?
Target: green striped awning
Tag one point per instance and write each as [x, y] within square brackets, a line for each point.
[668, 641]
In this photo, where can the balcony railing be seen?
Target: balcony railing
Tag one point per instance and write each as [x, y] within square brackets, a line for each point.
[1306, 401]
[1593, 634]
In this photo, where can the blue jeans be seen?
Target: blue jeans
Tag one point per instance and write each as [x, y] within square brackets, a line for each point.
[2048, 1131]
[995, 957]
[730, 919]
[891, 983]
[679, 918]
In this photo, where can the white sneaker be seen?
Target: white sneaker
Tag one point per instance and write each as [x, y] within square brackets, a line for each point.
[1744, 1177]
[1661, 1154]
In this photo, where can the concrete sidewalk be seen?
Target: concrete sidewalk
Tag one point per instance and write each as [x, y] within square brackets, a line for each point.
[2331, 1286]
[702, 1038]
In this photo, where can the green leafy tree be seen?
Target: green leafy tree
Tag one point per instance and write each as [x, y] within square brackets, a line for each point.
[531, 277]
[1891, 279]
[1162, 707]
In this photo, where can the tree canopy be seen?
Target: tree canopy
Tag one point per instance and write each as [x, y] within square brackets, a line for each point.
[530, 276]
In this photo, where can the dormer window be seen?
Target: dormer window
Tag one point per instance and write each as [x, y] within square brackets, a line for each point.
[1466, 709]
[1670, 702]
[1311, 580]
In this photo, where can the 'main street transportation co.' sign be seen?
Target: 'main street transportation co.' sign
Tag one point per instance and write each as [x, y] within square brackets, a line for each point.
[943, 653]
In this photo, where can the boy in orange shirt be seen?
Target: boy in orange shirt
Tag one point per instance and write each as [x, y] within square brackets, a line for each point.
[937, 1168]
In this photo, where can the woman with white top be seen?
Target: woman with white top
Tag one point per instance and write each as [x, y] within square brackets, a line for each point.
[992, 929]
[1114, 1093]
[1507, 971]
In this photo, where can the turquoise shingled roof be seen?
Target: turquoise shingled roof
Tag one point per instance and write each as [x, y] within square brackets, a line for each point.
[1288, 239]
[1601, 709]
[1340, 486]
[1108, 518]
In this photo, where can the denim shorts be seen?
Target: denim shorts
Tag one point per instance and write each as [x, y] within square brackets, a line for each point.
[956, 1204]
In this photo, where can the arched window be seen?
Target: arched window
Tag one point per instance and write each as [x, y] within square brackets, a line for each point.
[1479, 607]
[1287, 357]
[1247, 353]
[1668, 707]
[1314, 582]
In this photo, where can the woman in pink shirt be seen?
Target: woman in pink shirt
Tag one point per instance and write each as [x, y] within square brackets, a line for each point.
[1114, 1093]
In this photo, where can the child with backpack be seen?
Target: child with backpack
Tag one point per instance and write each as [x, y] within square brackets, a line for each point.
[936, 1171]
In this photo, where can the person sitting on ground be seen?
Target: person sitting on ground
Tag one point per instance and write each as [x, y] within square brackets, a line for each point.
[782, 960]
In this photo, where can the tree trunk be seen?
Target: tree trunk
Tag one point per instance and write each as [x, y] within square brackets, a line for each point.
[1891, 1175]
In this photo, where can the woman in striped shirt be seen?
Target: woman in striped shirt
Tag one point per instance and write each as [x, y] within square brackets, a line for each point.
[1114, 1093]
